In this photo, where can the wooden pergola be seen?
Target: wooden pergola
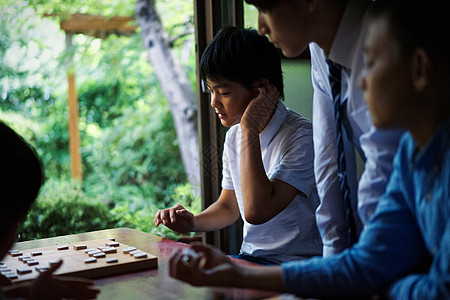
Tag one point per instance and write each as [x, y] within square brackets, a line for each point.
[98, 27]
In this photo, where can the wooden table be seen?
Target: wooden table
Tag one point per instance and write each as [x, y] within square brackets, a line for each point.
[148, 284]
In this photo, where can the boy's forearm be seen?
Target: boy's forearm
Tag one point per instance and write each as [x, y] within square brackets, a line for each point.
[255, 184]
[217, 216]
[257, 189]
[263, 198]
[261, 277]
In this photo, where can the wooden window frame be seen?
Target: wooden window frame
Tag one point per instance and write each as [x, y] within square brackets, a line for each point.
[210, 16]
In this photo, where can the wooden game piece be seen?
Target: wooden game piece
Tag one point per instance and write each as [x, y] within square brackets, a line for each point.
[111, 239]
[94, 252]
[23, 271]
[79, 247]
[132, 253]
[11, 276]
[32, 262]
[53, 262]
[90, 260]
[128, 250]
[24, 259]
[99, 255]
[140, 255]
[63, 247]
[109, 250]
[36, 253]
[111, 260]
[89, 250]
[15, 253]
[5, 271]
[42, 269]
[112, 244]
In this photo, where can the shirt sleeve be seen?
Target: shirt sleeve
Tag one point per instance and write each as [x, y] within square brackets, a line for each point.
[379, 147]
[227, 156]
[433, 285]
[330, 214]
[296, 166]
[389, 246]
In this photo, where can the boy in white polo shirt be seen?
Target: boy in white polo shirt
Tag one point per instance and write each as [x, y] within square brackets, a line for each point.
[268, 175]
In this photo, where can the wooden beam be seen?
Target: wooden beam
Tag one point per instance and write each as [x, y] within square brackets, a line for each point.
[98, 26]
[95, 25]
[80, 22]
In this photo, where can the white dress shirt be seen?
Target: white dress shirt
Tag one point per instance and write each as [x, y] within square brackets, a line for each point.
[376, 147]
[287, 153]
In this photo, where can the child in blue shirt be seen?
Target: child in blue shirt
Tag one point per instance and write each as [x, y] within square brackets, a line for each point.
[406, 85]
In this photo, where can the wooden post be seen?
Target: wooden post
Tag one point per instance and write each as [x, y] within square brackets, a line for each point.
[74, 133]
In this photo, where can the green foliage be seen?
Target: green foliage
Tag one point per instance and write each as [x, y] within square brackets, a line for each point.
[143, 219]
[136, 158]
[63, 209]
[131, 161]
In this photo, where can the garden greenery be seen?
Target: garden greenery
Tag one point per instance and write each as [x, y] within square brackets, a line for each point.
[131, 161]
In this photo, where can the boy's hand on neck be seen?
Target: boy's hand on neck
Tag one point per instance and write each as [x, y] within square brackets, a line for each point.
[260, 110]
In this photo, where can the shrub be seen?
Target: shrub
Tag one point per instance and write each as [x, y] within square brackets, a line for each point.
[62, 208]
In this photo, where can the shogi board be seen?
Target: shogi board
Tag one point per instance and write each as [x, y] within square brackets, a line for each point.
[73, 261]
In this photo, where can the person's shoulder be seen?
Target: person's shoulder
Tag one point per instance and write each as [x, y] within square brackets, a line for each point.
[295, 125]
[405, 151]
[296, 119]
[231, 133]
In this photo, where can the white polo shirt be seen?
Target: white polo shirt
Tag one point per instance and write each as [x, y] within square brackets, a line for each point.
[288, 155]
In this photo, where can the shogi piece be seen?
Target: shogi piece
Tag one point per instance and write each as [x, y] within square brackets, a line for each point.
[90, 260]
[23, 271]
[112, 244]
[128, 250]
[79, 247]
[112, 260]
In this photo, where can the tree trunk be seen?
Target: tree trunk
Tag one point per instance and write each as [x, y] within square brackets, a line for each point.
[175, 85]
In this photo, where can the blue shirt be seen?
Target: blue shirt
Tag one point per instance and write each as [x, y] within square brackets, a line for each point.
[412, 219]
[287, 155]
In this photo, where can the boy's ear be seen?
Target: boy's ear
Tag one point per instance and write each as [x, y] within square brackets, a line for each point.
[421, 69]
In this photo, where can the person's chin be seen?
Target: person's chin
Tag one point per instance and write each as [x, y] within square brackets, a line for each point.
[289, 52]
[226, 123]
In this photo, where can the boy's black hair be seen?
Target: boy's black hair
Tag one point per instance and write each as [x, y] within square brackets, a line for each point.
[418, 24]
[265, 5]
[243, 56]
[21, 177]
